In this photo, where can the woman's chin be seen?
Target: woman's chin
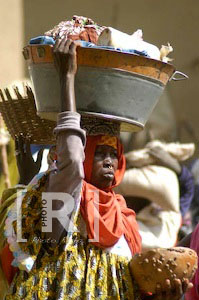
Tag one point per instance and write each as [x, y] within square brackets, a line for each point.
[104, 181]
[107, 181]
[109, 177]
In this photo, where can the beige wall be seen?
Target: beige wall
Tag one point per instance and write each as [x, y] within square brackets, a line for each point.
[11, 41]
[162, 21]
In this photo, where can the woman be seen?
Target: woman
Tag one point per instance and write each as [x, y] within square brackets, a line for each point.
[84, 263]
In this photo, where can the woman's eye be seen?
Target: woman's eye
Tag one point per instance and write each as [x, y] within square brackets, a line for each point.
[102, 155]
[114, 155]
[98, 154]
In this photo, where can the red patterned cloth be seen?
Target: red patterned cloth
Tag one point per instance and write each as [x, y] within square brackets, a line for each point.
[79, 28]
[6, 258]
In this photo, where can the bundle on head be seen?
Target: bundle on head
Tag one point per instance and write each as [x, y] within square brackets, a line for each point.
[79, 28]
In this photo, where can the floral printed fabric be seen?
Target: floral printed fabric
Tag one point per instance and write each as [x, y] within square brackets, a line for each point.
[81, 271]
[74, 269]
[79, 28]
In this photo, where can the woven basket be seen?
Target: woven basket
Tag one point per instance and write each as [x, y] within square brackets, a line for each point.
[20, 116]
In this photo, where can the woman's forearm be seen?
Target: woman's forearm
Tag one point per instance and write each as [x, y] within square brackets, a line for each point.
[68, 93]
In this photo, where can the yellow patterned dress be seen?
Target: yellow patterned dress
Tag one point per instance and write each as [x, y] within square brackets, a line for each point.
[74, 269]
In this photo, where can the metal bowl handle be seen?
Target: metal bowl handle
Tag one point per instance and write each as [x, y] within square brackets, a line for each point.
[181, 75]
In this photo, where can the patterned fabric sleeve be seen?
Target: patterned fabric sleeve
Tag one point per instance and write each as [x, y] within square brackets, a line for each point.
[24, 234]
[67, 178]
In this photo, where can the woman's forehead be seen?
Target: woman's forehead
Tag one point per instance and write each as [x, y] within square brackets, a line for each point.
[105, 148]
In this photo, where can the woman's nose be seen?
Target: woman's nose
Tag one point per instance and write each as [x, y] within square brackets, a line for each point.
[108, 162]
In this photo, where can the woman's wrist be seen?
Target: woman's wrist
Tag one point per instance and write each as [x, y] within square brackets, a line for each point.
[67, 77]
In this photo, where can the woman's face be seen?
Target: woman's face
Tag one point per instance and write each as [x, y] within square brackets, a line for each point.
[105, 164]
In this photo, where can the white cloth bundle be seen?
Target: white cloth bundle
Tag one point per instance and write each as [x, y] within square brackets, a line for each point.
[158, 229]
[160, 221]
[117, 39]
[155, 183]
[139, 158]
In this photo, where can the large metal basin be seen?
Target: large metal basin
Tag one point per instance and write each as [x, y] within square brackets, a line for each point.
[109, 84]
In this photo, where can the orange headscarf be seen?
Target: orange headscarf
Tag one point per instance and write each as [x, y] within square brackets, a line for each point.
[110, 210]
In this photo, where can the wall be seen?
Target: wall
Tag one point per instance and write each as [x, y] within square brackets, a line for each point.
[162, 21]
[11, 37]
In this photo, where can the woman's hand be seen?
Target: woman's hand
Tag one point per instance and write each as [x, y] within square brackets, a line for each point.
[171, 293]
[65, 57]
[27, 167]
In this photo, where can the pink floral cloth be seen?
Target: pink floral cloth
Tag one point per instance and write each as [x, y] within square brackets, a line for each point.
[193, 294]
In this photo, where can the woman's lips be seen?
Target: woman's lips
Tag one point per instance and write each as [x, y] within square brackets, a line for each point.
[108, 173]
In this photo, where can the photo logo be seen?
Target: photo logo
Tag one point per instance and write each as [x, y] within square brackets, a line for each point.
[58, 206]
[63, 214]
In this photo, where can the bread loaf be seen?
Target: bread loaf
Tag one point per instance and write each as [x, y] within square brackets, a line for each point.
[156, 265]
